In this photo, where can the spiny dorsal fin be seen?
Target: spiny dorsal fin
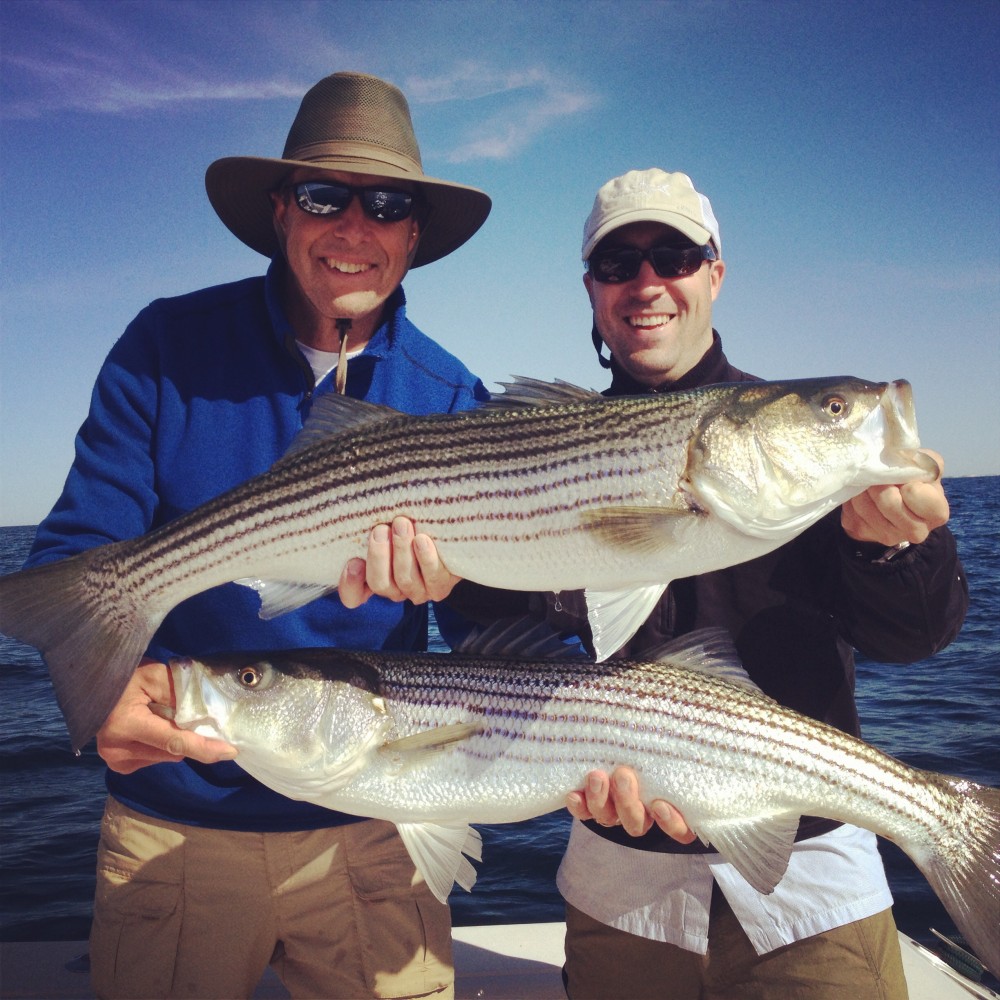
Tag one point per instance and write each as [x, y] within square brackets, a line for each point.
[333, 414]
[522, 638]
[525, 391]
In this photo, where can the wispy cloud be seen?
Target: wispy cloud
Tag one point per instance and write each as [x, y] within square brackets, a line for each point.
[533, 100]
[82, 57]
[108, 90]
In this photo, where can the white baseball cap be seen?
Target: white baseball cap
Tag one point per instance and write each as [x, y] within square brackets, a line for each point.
[651, 196]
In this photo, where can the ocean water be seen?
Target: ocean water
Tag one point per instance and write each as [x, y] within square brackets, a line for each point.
[939, 714]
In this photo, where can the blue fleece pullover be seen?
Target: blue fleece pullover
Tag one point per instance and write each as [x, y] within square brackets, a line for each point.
[200, 393]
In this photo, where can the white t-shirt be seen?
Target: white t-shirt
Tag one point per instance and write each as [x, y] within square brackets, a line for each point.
[323, 362]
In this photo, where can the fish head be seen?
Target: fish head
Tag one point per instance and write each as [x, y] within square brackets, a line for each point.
[774, 457]
[279, 708]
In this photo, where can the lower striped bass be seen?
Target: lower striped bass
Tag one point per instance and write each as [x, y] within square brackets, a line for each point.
[551, 488]
[434, 742]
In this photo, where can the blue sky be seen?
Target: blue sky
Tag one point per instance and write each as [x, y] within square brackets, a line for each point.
[850, 150]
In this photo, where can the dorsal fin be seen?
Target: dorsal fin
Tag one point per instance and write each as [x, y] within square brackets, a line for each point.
[333, 414]
[708, 651]
[521, 638]
[525, 391]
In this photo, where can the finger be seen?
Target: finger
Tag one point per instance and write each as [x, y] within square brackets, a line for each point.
[438, 580]
[597, 794]
[380, 569]
[352, 588]
[629, 807]
[857, 516]
[576, 803]
[671, 822]
[926, 503]
[406, 575]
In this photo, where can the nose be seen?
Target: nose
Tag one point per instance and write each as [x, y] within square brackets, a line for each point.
[647, 281]
[349, 219]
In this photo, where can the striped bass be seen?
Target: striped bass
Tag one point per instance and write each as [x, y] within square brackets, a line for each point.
[433, 742]
[550, 488]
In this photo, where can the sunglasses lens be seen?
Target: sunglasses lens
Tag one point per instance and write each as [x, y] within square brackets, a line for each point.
[387, 205]
[326, 198]
[321, 198]
[670, 262]
[615, 266]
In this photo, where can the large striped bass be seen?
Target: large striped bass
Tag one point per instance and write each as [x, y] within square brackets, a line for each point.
[551, 488]
[433, 742]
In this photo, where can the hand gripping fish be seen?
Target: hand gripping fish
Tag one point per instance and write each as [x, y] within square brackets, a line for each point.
[434, 742]
[549, 488]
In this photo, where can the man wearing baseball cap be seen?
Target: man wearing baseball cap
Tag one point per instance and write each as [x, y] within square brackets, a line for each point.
[651, 911]
[204, 875]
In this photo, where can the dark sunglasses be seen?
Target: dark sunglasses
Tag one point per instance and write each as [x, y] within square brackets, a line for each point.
[619, 264]
[330, 197]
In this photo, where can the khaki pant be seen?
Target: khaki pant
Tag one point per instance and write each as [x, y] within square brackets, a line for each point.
[183, 911]
[860, 961]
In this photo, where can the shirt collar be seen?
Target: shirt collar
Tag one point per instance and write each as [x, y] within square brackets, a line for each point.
[394, 313]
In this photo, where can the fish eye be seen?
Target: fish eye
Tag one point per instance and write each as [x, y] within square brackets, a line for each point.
[835, 406]
[250, 677]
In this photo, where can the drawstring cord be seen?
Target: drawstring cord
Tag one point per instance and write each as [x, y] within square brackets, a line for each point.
[343, 325]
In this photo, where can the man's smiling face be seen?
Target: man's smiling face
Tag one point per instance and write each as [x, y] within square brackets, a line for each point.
[657, 328]
[343, 265]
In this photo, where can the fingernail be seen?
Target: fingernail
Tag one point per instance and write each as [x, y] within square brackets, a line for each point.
[594, 784]
[622, 784]
[380, 533]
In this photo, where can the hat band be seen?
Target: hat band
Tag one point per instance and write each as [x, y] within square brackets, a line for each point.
[354, 152]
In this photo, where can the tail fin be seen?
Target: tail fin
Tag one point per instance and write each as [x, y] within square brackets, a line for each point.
[965, 873]
[90, 647]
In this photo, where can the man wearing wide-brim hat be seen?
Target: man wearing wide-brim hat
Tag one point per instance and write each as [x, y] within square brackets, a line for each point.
[204, 875]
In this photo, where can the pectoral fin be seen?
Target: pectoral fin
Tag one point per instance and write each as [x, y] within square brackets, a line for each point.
[758, 849]
[642, 530]
[439, 854]
[615, 616]
[409, 751]
[278, 597]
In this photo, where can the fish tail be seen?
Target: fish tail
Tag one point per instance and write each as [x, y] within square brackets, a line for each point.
[964, 867]
[91, 651]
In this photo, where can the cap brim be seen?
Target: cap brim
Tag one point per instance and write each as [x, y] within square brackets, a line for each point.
[239, 187]
[690, 228]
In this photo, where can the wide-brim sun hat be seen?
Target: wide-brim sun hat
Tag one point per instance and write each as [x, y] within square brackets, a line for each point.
[651, 196]
[352, 123]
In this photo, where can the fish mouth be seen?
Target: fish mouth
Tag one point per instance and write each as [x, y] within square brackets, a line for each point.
[902, 443]
[193, 710]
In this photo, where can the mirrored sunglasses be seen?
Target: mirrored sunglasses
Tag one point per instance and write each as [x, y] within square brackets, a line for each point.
[618, 264]
[330, 197]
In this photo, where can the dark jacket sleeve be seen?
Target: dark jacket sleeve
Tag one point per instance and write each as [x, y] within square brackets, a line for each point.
[907, 608]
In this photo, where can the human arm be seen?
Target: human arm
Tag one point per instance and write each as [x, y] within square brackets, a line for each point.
[899, 603]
